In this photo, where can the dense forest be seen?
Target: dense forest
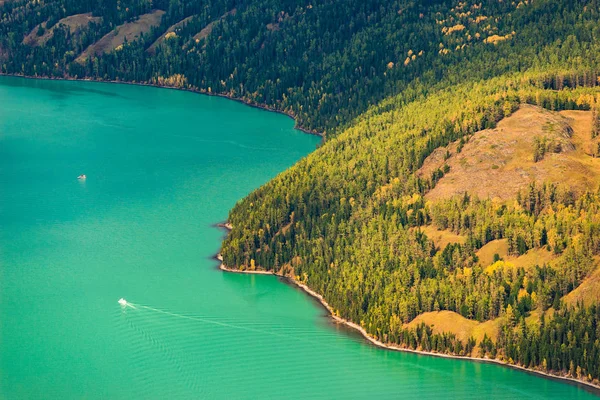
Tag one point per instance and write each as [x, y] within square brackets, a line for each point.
[388, 82]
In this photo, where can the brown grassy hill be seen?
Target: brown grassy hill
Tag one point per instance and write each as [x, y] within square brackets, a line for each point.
[581, 121]
[172, 29]
[589, 290]
[497, 163]
[500, 247]
[486, 253]
[441, 238]
[208, 28]
[129, 31]
[463, 328]
[72, 22]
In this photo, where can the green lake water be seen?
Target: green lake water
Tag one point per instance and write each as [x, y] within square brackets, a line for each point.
[162, 167]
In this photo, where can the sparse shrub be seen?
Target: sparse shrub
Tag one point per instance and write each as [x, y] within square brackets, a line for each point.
[460, 146]
[540, 147]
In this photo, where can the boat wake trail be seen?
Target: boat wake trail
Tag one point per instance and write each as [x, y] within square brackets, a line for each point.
[187, 354]
[271, 330]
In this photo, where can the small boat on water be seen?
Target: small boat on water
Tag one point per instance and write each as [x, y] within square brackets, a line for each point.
[82, 177]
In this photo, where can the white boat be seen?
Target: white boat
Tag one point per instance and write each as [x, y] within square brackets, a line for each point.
[82, 177]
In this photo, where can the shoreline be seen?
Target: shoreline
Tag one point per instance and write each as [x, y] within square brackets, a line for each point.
[188, 89]
[588, 386]
[224, 225]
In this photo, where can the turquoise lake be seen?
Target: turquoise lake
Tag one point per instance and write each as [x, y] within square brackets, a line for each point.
[164, 166]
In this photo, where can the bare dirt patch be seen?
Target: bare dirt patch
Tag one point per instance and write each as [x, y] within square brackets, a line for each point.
[273, 26]
[72, 22]
[130, 31]
[497, 163]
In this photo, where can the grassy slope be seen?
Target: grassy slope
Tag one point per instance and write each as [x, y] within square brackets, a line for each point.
[203, 34]
[72, 22]
[588, 292]
[172, 29]
[498, 162]
[117, 37]
[441, 238]
[463, 328]
[510, 145]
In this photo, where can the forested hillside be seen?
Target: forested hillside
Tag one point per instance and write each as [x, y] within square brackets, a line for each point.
[325, 63]
[401, 88]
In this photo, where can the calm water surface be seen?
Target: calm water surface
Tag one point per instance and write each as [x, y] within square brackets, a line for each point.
[164, 166]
